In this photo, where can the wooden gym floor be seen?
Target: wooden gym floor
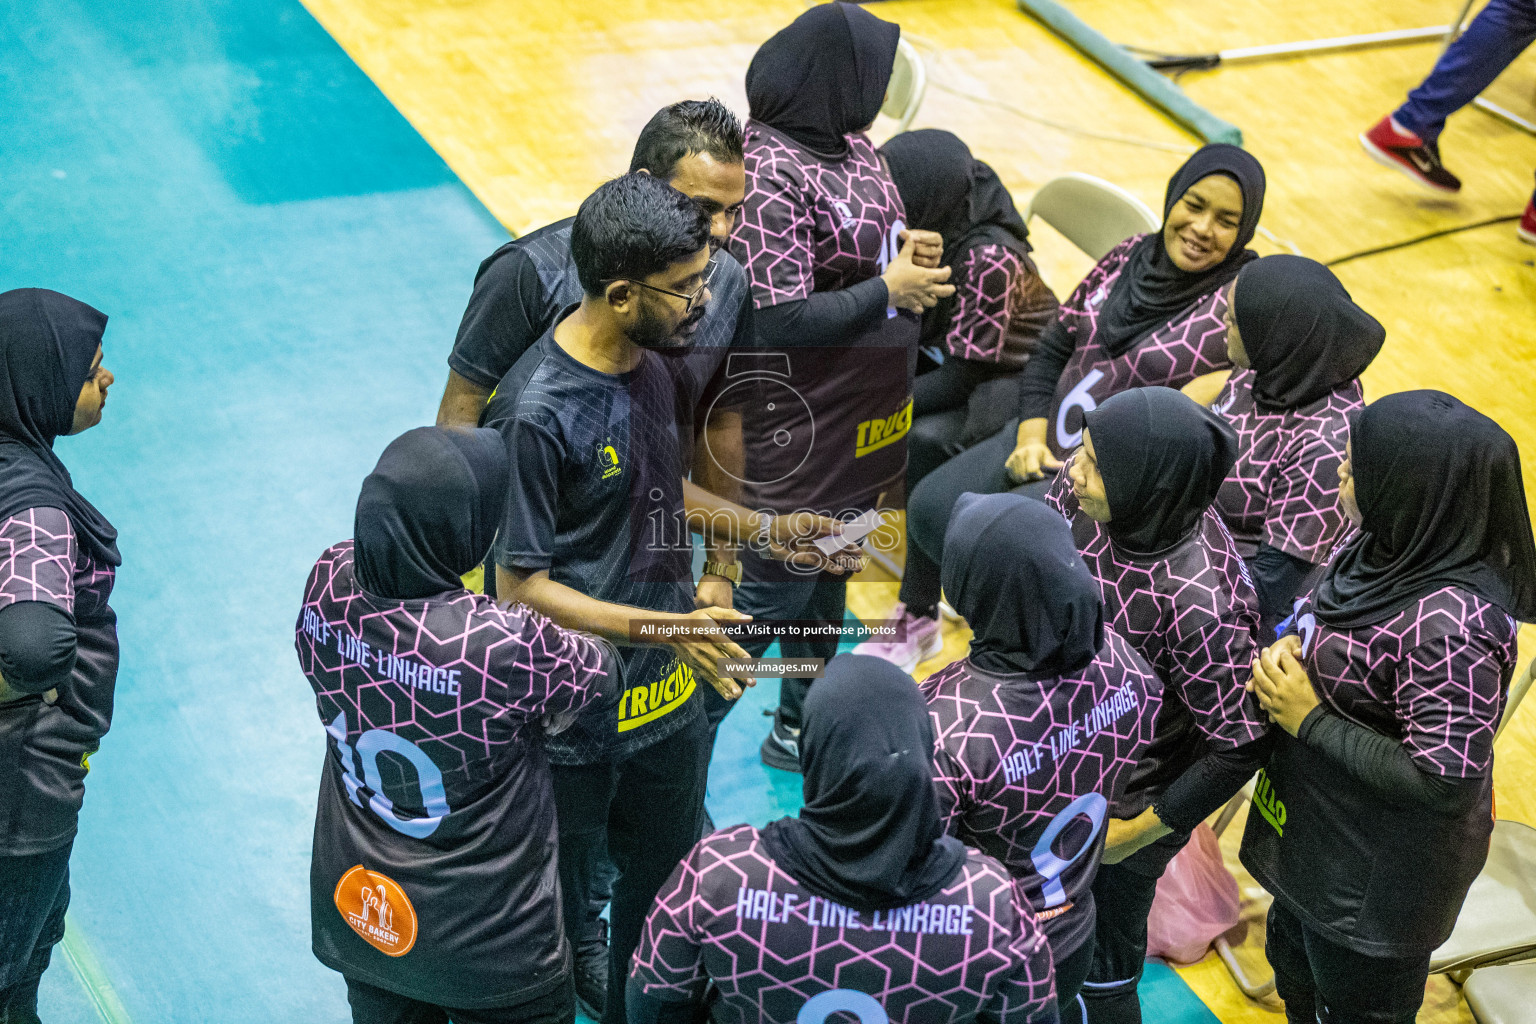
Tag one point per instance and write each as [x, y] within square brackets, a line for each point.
[533, 104]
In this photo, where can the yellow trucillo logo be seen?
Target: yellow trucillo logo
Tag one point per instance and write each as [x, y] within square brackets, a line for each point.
[646, 703]
[876, 434]
[609, 458]
[1267, 802]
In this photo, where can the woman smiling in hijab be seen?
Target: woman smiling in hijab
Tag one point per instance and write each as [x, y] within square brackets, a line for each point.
[1388, 700]
[1300, 344]
[58, 635]
[1149, 314]
[455, 857]
[835, 280]
[860, 904]
[981, 337]
[1138, 495]
[1040, 659]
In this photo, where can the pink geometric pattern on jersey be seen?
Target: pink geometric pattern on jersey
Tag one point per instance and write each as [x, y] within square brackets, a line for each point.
[1010, 754]
[37, 558]
[767, 970]
[1435, 676]
[1191, 344]
[1192, 614]
[813, 226]
[984, 285]
[1284, 489]
[513, 667]
[41, 560]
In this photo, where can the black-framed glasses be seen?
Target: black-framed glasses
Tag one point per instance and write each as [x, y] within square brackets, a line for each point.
[692, 299]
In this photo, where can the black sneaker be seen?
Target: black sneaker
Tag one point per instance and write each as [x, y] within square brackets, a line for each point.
[781, 747]
[1394, 146]
[592, 976]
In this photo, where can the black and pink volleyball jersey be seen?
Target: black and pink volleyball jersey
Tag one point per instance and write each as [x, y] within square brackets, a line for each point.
[778, 954]
[1192, 613]
[434, 858]
[46, 747]
[1284, 489]
[986, 279]
[1026, 770]
[1379, 878]
[825, 423]
[1191, 344]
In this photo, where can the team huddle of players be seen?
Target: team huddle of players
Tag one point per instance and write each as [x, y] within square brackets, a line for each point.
[1186, 549]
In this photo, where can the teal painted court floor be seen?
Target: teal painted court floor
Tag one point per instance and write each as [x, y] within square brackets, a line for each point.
[284, 262]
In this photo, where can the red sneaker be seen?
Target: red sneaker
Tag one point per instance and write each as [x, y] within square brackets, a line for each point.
[1390, 144]
[1526, 229]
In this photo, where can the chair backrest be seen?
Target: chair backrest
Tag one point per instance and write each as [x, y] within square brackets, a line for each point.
[1517, 691]
[909, 80]
[1095, 215]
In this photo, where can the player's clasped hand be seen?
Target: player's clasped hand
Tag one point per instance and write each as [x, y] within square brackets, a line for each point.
[708, 645]
[913, 286]
[1281, 684]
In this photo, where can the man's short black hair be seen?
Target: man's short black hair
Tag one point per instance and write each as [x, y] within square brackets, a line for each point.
[683, 129]
[633, 227]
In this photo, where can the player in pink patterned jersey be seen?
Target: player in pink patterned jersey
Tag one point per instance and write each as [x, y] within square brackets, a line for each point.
[1138, 495]
[973, 344]
[1300, 344]
[1373, 815]
[58, 635]
[1148, 314]
[835, 280]
[1037, 729]
[433, 884]
[861, 905]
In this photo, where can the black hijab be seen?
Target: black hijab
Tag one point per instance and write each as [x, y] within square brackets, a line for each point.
[47, 344]
[1163, 457]
[1151, 290]
[823, 76]
[1442, 501]
[946, 189]
[428, 512]
[869, 835]
[1303, 334]
[1013, 571]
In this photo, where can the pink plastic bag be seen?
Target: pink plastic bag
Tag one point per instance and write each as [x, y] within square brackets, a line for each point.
[1196, 901]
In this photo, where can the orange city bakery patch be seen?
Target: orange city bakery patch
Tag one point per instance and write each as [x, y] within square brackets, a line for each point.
[378, 910]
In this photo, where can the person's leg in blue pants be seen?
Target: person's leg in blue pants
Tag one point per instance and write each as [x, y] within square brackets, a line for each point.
[1498, 35]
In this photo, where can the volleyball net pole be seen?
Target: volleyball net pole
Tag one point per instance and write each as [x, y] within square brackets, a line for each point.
[1170, 99]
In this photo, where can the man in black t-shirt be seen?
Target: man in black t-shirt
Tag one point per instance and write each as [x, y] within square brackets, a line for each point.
[595, 536]
[522, 287]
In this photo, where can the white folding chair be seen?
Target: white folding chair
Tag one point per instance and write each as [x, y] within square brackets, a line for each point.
[909, 81]
[1497, 924]
[1095, 215]
[1502, 995]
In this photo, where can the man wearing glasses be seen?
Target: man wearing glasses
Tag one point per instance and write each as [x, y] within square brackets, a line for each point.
[695, 145]
[594, 535]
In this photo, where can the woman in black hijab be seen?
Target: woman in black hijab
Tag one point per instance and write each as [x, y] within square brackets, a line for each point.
[869, 834]
[1149, 314]
[1138, 495]
[58, 636]
[861, 903]
[1040, 656]
[1300, 344]
[1387, 692]
[403, 658]
[837, 279]
[980, 337]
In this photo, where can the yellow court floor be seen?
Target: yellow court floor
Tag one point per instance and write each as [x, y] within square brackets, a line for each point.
[533, 104]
